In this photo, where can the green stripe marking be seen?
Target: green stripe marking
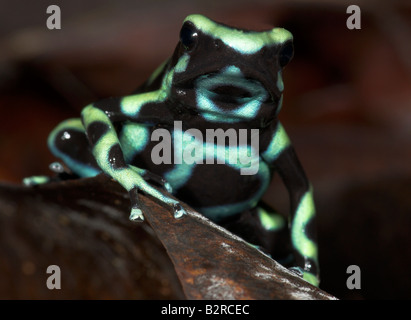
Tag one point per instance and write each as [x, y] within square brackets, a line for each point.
[270, 221]
[279, 142]
[304, 213]
[243, 42]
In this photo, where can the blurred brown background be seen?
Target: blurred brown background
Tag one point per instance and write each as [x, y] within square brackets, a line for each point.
[347, 107]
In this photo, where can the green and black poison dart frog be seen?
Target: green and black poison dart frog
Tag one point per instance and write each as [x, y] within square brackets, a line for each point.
[219, 78]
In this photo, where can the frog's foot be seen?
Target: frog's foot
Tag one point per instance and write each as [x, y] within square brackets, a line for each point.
[306, 275]
[136, 214]
[35, 180]
[62, 173]
[178, 210]
[139, 184]
[149, 176]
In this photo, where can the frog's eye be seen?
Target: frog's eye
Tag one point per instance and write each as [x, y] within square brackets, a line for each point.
[286, 53]
[188, 35]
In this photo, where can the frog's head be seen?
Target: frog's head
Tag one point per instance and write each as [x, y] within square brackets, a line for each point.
[230, 74]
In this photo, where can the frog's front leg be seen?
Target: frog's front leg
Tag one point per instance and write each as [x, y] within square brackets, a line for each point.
[109, 156]
[281, 155]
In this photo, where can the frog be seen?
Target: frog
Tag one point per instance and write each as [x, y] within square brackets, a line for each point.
[222, 78]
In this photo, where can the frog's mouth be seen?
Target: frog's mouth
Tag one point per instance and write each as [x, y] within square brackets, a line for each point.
[234, 95]
[228, 94]
[230, 88]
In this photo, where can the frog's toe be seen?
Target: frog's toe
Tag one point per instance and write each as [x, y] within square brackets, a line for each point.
[136, 215]
[57, 167]
[297, 270]
[306, 275]
[35, 180]
[168, 187]
[179, 211]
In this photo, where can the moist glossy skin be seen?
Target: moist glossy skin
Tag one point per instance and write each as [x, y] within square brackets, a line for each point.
[218, 78]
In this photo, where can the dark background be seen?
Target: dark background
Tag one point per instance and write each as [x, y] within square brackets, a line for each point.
[347, 107]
